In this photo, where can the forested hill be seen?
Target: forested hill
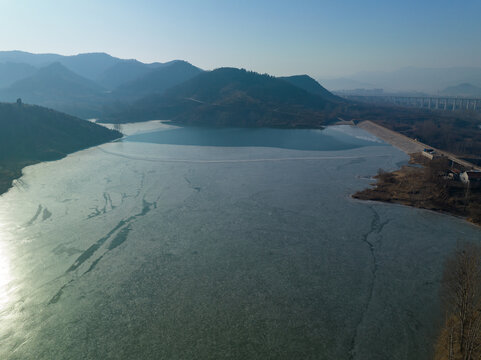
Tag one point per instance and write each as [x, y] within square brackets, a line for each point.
[234, 97]
[157, 80]
[310, 85]
[33, 133]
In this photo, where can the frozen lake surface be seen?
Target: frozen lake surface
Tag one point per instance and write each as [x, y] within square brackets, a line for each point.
[219, 244]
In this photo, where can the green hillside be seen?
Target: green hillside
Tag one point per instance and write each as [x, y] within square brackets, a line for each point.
[157, 80]
[310, 85]
[29, 134]
[234, 97]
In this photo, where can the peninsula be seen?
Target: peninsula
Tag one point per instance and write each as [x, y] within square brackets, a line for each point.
[31, 134]
[433, 180]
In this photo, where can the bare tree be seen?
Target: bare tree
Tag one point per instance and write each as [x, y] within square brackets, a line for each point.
[461, 295]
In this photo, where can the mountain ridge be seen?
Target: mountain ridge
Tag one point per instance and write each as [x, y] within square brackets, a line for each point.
[11, 72]
[58, 87]
[124, 72]
[157, 80]
[230, 96]
[464, 90]
[309, 84]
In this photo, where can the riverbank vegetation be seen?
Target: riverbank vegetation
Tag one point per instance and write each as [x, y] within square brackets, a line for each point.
[428, 186]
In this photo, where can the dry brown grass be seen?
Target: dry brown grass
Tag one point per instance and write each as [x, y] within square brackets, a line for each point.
[426, 187]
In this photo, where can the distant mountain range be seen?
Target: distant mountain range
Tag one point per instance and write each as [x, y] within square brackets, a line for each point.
[91, 65]
[124, 72]
[409, 79]
[57, 87]
[12, 72]
[462, 90]
[106, 70]
[235, 97]
[99, 85]
[86, 84]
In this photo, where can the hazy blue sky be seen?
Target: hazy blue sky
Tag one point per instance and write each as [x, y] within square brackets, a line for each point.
[279, 37]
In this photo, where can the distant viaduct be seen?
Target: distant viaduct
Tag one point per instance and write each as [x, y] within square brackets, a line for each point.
[426, 102]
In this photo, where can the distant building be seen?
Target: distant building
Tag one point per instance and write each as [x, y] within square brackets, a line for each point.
[470, 177]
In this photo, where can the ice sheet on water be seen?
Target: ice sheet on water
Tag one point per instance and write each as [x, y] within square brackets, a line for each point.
[219, 259]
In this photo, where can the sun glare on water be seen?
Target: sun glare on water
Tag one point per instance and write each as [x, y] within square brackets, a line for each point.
[5, 273]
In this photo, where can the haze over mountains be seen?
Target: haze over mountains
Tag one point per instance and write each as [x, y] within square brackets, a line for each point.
[157, 80]
[99, 85]
[408, 79]
[91, 65]
[124, 72]
[12, 72]
[57, 87]
[84, 84]
[464, 90]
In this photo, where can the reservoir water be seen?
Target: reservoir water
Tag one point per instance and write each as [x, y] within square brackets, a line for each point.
[219, 244]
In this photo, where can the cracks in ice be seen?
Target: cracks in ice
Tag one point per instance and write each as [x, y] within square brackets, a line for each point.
[35, 217]
[113, 239]
[196, 188]
[376, 228]
[46, 214]
[108, 205]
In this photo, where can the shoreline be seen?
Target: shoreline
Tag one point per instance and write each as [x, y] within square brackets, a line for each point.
[424, 188]
[407, 145]
[10, 173]
[421, 187]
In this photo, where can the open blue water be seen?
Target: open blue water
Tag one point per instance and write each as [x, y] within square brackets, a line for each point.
[214, 244]
[313, 140]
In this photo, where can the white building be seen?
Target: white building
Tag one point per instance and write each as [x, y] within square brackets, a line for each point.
[469, 177]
